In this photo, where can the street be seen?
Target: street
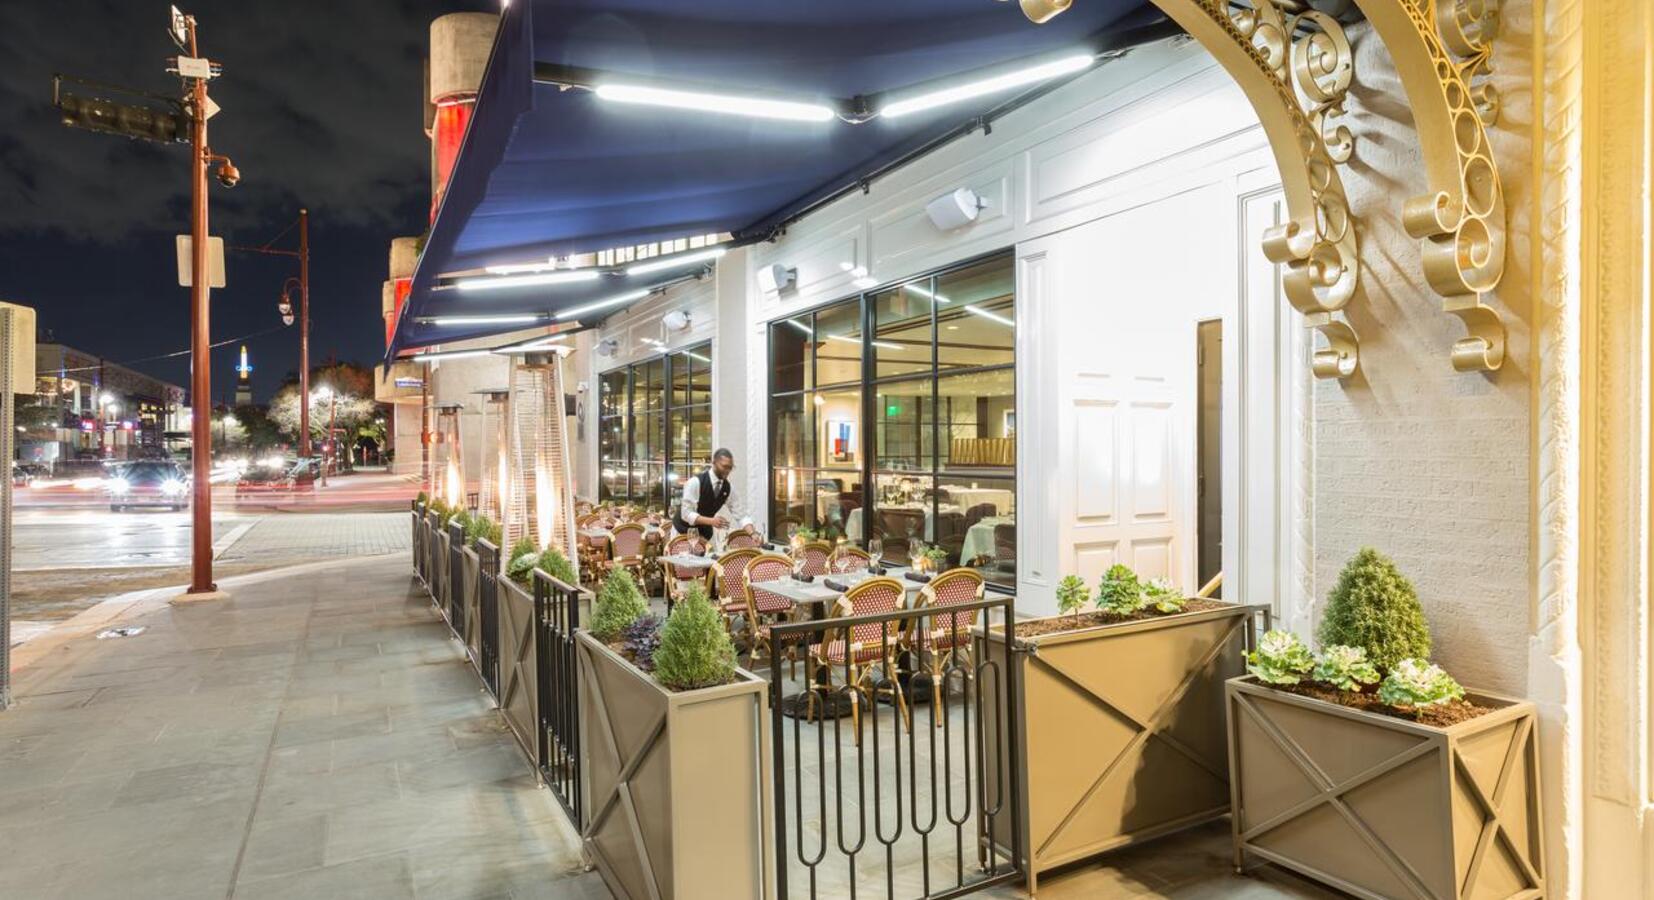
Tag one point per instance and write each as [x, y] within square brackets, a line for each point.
[70, 550]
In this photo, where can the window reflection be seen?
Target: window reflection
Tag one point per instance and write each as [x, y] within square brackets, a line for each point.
[654, 426]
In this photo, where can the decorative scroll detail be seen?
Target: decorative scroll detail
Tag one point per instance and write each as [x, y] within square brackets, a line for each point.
[1442, 51]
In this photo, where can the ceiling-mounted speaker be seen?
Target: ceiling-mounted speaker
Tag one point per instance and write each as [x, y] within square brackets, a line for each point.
[775, 278]
[1041, 11]
[954, 209]
[676, 320]
[608, 347]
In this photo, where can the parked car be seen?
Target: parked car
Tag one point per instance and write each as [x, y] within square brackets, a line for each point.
[148, 483]
[262, 480]
[24, 474]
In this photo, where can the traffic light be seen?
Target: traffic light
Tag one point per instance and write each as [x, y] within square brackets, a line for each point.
[161, 120]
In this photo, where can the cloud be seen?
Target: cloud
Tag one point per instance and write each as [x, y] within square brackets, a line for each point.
[321, 107]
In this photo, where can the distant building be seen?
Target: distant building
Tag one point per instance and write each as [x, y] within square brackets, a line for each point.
[100, 409]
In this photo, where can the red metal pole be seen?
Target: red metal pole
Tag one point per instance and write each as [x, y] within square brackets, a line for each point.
[304, 333]
[200, 342]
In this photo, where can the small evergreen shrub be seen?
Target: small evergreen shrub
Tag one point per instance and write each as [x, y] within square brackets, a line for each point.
[1163, 598]
[1072, 595]
[521, 567]
[555, 564]
[523, 545]
[1414, 683]
[641, 639]
[695, 651]
[1281, 658]
[1374, 607]
[619, 604]
[1344, 667]
[423, 499]
[462, 518]
[493, 533]
[443, 513]
[1120, 592]
[476, 528]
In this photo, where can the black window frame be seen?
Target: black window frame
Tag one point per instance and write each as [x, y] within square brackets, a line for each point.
[665, 414]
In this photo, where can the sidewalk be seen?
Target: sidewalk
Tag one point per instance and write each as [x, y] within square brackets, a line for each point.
[317, 735]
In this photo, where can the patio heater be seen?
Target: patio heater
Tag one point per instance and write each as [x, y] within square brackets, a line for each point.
[539, 491]
[447, 461]
[496, 459]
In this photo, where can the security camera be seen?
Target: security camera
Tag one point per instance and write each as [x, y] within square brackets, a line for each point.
[228, 174]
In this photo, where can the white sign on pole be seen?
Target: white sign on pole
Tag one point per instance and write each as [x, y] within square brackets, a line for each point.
[194, 67]
[215, 261]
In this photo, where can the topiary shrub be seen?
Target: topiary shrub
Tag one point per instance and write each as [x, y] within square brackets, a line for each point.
[476, 528]
[1374, 607]
[619, 604]
[555, 564]
[423, 499]
[695, 651]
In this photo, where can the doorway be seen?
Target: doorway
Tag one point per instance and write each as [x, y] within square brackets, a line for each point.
[1209, 449]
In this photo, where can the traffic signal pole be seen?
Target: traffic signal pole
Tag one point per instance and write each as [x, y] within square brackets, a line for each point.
[200, 341]
[304, 333]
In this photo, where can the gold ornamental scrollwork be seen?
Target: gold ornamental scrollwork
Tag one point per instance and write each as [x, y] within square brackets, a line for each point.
[1442, 51]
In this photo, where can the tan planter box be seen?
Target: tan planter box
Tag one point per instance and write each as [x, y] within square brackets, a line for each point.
[1119, 730]
[470, 632]
[439, 587]
[519, 689]
[1383, 807]
[678, 793]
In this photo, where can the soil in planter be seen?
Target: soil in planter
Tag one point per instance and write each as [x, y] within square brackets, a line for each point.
[1058, 624]
[1443, 716]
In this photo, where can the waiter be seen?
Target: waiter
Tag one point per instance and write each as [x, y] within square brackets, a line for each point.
[705, 495]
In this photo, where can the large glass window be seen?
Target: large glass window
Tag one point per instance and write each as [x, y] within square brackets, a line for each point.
[893, 417]
[654, 426]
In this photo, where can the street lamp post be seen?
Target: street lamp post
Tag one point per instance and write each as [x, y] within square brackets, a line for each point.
[285, 306]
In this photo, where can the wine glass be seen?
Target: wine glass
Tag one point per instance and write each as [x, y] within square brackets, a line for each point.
[875, 549]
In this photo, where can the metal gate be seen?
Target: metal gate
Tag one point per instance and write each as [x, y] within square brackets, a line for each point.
[557, 610]
[884, 795]
[488, 615]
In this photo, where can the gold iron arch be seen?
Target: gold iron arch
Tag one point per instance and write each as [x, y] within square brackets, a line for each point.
[1295, 66]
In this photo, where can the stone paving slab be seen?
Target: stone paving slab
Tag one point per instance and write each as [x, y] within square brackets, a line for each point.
[313, 536]
[317, 735]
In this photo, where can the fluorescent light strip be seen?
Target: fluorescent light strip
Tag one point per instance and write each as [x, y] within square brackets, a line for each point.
[932, 99]
[444, 355]
[564, 276]
[693, 355]
[616, 300]
[445, 321]
[801, 327]
[519, 268]
[549, 343]
[726, 104]
[676, 260]
[926, 293]
[990, 316]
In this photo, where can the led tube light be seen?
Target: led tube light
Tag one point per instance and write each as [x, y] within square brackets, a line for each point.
[926, 293]
[676, 260]
[932, 99]
[444, 355]
[564, 276]
[616, 300]
[524, 319]
[726, 104]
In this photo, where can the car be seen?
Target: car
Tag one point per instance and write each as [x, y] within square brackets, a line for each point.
[262, 480]
[25, 474]
[148, 483]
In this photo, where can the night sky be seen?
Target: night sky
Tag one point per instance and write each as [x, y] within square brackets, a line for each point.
[321, 108]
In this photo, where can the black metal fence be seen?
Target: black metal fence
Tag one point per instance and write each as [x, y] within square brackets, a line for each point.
[456, 579]
[880, 755]
[488, 615]
[434, 562]
[557, 612]
[419, 542]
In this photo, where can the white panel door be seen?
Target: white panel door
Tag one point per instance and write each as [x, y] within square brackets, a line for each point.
[1121, 298]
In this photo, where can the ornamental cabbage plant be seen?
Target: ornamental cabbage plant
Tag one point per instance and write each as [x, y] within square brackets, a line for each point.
[1281, 658]
[1164, 598]
[1119, 592]
[1072, 595]
[1345, 667]
[1417, 683]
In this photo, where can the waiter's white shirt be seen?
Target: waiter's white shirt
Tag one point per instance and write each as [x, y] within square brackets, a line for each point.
[692, 495]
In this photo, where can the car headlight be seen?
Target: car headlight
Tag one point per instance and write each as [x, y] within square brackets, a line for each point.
[119, 485]
[172, 486]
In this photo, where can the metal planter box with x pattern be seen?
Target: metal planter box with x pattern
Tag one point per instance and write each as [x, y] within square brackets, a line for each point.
[1382, 807]
[1121, 730]
[678, 783]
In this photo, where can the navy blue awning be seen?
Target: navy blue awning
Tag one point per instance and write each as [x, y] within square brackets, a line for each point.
[548, 170]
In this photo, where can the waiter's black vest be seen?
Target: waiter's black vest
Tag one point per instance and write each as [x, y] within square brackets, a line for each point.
[708, 505]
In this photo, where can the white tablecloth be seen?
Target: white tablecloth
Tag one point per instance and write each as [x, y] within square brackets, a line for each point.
[966, 497]
[853, 526]
[979, 540]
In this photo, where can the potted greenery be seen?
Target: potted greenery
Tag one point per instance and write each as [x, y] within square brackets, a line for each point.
[1137, 680]
[1370, 769]
[658, 700]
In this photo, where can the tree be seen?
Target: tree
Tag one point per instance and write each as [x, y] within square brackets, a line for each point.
[341, 391]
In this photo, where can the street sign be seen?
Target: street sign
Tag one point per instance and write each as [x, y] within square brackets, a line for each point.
[215, 261]
[194, 67]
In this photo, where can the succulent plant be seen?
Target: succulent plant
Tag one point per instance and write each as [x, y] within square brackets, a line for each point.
[1072, 594]
[521, 567]
[1281, 658]
[1120, 592]
[695, 650]
[619, 604]
[1163, 598]
[1374, 607]
[1344, 667]
[1415, 683]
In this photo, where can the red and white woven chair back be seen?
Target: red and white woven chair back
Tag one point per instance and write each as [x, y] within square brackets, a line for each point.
[767, 567]
[816, 555]
[628, 541]
[851, 559]
[732, 574]
[871, 597]
[741, 540]
[952, 588]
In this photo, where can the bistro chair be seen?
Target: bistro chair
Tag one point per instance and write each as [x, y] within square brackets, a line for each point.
[742, 539]
[850, 559]
[764, 607]
[626, 545]
[815, 555]
[677, 578]
[862, 648]
[731, 583]
[947, 637]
